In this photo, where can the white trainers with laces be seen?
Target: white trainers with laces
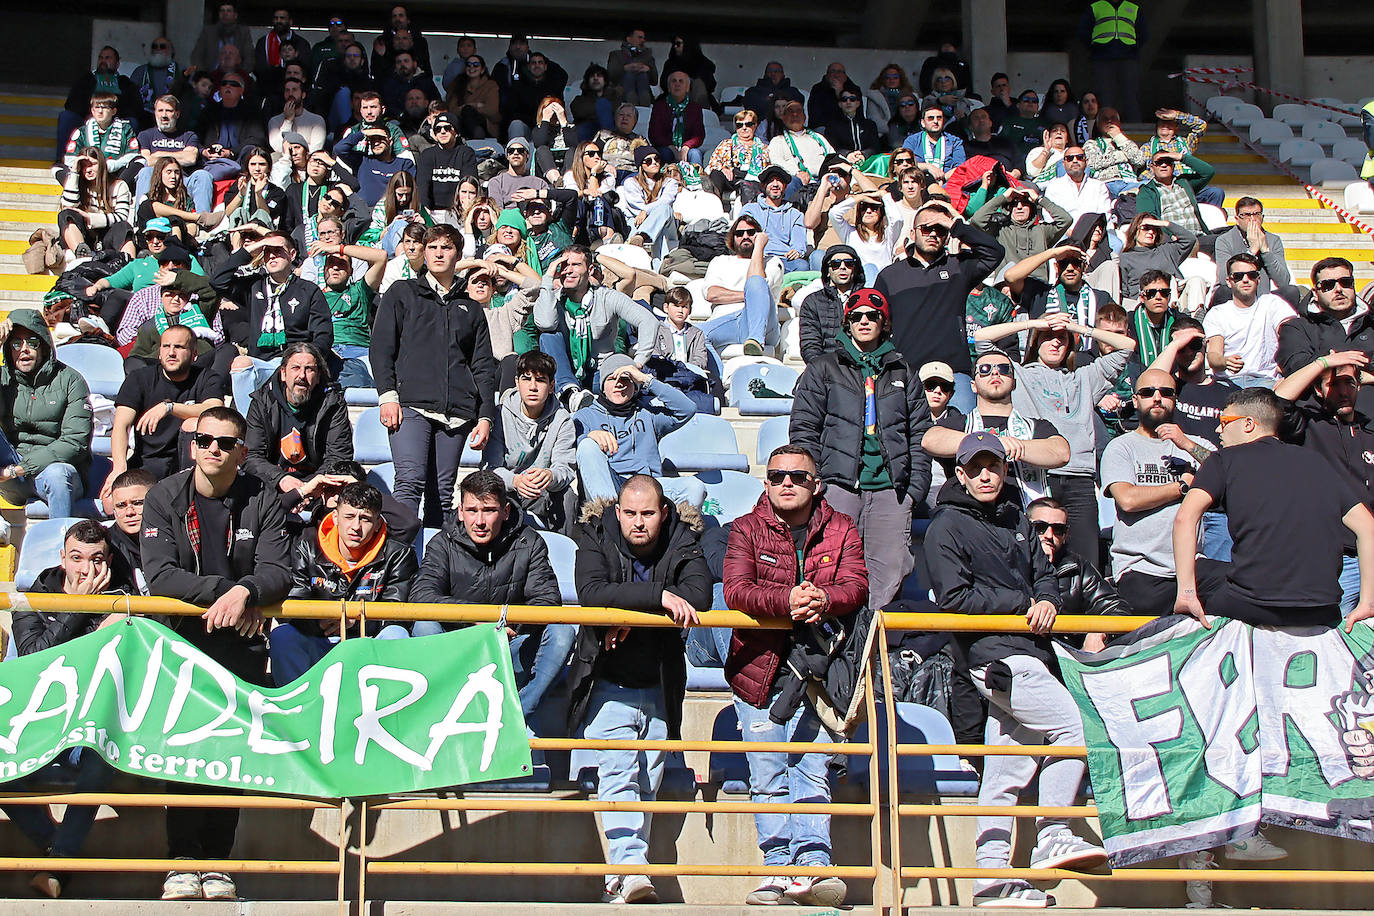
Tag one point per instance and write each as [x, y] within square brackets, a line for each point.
[182, 885]
[1257, 848]
[216, 885]
[1199, 892]
[769, 892]
[1064, 850]
[1011, 894]
[812, 891]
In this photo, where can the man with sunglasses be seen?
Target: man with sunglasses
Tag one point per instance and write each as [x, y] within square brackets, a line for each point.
[854, 136]
[742, 288]
[1070, 292]
[1243, 334]
[822, 311]
[1024, 129]
[928, 289]
[1082, 589]
[794, 556]
[1337, 320]
[233, 123]
[1169, 196]
[1026, 224]
[1075, 190]
[440, 169]
[215, 538]
[861, 411]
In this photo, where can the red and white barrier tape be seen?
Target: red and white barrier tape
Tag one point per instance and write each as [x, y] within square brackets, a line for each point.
[1211, 70]
[1311, 189]
[1241, 84]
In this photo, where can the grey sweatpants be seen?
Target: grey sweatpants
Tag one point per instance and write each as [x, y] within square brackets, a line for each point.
[1037, 710]
[884, 523]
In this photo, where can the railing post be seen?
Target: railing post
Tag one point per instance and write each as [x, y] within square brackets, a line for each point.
[893, 784]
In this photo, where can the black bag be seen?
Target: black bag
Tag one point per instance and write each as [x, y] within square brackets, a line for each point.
[927, 681]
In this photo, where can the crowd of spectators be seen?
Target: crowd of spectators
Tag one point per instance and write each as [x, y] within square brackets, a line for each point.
[1013, 318]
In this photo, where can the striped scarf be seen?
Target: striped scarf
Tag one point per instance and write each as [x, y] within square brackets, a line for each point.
[1145, 334]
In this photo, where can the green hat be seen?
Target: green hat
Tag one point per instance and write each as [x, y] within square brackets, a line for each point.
[511, 217]
[56, 294]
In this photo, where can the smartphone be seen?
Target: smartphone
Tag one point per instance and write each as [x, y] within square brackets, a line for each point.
[834, 179]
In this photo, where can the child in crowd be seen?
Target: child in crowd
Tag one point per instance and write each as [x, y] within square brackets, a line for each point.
[680, 356]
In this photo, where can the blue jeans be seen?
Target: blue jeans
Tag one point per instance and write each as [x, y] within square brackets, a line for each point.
[244, 382]
[555, 345]
[539, 661]
[391, 236]
[1216, 537]
[796, 265]
[64, 839]
[59, 484]
[616, 713]
[199, 184]
[963, 399]
[1211, 195]
[355, 370]
[778, 778]
[294, 653]
[758, 320]
[658, 227]
[1350, 583]
[670, 154]
[600, 482]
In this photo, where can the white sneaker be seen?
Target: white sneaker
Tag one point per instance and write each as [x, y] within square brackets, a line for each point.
[216, 885]
[1013, 894]
[811, 891]
[1064, 850]
[1257, 848]
[182, 885]
[769, 892]
[630, 889]
[1199, 892]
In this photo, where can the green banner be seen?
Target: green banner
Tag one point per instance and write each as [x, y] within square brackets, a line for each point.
[374, 717]
[1196, 737]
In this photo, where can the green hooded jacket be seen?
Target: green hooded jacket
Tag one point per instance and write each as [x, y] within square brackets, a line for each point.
[45, 415]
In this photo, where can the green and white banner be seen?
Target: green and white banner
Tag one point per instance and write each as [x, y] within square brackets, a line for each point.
[374, 717]
[1197, 736]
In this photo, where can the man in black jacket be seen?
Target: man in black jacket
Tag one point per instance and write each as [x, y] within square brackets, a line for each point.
[928, 291]
[862, 411]
[276, 308]
[297, 422]
[86, 567]
[1336, 324]
[439, 169]
[215, 538]
[1082, 589]
[984, 559]
[822, 311]
[854, 136]
[350, 556]
[128, 492]
[642, 554]
[490, 556]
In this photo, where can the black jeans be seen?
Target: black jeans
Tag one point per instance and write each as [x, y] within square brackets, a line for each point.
[426, 455]
[1076, 494]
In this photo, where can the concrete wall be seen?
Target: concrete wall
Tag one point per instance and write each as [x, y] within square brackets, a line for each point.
[1345, 78]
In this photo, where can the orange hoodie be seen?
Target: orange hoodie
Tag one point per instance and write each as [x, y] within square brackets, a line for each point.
[328, 536]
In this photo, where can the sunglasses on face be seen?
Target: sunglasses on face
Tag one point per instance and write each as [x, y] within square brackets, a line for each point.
[843, 262]
[160, 46]
[983, 370]
[443, 128]
[1155, 293]
[591, 154]
[907, 104]
[230, 84]
[746, 123]
[1060, 529]
[798, 477]
[1161, 163]
[746, 233]
[1029, 100]
[1164, 391]
[651, 160]
[1075, 157]
[22, 343]
[858, 315]
[472, 66]
[939, 385]
[849, 98]
[1225, 419]
[933, 229]
[225, 443]
[1245, 275]
[1328, 285]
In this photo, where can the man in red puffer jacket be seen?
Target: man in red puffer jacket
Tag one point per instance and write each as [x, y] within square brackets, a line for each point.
[793, 557]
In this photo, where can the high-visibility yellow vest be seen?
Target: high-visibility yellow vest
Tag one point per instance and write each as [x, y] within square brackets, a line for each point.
[1114, 23]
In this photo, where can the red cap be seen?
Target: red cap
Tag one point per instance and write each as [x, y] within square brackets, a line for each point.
[870, 298]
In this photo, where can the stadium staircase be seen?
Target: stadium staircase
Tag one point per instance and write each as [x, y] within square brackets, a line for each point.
[28, 195]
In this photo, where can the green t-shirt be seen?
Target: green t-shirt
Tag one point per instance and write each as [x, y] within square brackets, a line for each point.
[351, 309]
[985, 309]
[139, 273]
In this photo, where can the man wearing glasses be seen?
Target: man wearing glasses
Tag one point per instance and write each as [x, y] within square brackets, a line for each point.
[1164, 196]
[155, 78]
[854, 136]
[1082, 588]
[441, 167]
[1243, 334]
[794, 556]
[1335, 324]
[928, 289]
[1075, 190]
[215, 538]
[1249, 234]
[1025, 129]
[232, 124]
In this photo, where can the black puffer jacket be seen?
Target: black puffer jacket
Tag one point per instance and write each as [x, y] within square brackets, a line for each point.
[986, 560]
[326, 433]
[605, 579]
[1083, 589]
[35, 631]
[822, 312]
[317, 576]
[305, 313]
[436, 355]
[828, 418]
[512, 569]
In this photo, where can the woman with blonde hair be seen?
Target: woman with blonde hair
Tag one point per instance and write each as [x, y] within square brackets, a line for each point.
[95, 209]
[737, 163]
[399, 207]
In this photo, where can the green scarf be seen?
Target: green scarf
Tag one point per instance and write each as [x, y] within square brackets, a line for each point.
[873, 472]
[579, 335]
[1145, 334]
[679, 110]
[189, 317]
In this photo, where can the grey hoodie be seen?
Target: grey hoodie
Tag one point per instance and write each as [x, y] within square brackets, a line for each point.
[519, 443]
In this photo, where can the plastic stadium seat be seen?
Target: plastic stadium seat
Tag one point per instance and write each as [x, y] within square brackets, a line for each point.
[1351, 151]
[87, 507]
[728, 769]
[360, 397]
[563, 555]
[645, 112]
[1243, 115]
[102, 367]
[1350, 117]
[730, 494]
[1333, 170]
[1213, 217]
[704, 443]
[772, 433]
[938, 775]
[1217, 105]
[383, 477]
[710, 119]
[1359, 197]
[714, 137]
[777, 377]
[1268, 132]
[1299, 153]
[1324, 132]
[371, 444]
[42, 548]
[423, 541]
[1294, 115]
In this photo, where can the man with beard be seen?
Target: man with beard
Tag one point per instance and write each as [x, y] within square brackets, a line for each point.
[295, 120]
[1069, 293]
[155, 78]
[1147, 472]
[405, 76]
[227, 30]
[780, 219]
[297, 423]
[268, 52]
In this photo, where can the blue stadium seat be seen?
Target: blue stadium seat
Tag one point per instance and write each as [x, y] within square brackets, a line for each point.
[728, 769]
[87, 506]
[704, 443]
[42, 548]
[938, 775]
[383, 477]
[772, 433]
[562, 554]
[422, 542]
[371, 444]
[778, 378]
[102, 367]
[360, 397]
[729, 494]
